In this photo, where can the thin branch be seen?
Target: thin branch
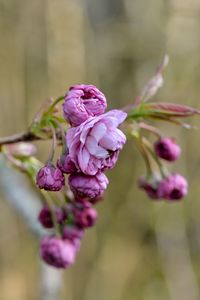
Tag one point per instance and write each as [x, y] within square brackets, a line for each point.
[19, 137]
[25, 137]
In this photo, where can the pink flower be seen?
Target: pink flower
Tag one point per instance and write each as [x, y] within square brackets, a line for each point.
[167, 149]
[174, 187]
[50, 178]
[95, 145]
[88, 187]
[81, 102]
[57, 252]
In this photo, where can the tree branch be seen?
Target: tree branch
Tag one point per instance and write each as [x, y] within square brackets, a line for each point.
[26, 137]
[19, 137]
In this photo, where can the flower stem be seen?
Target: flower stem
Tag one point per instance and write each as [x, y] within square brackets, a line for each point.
[163, 171]
[142, 150]
[37, 118]
[150, 128]
[51, 108]
[62, 132]
[53, 147]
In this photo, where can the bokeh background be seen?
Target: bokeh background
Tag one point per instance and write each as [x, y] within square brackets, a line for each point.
[139, 249]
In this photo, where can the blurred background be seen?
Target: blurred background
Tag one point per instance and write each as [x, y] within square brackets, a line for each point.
[139, 249]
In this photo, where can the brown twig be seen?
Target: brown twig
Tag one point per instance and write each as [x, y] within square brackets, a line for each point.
[25, 137]
[19, 137]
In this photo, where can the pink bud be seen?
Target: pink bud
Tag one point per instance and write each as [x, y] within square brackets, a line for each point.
[73, 234]
[46, 219]
[50, 178]
[85, 217]
[174, 187]
[65, 164]
[83, 101]
[150, 187]
[88, 187]
[167, 149]
[57, 252]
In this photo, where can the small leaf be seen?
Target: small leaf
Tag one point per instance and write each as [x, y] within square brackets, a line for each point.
[155, 82]
[172, 109]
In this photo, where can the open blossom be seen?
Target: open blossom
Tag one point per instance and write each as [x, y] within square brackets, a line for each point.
[95, 145]
[88, 187]
[83, 101]
[50, 178]
[57, 252]
[167, 148]
[174, 187]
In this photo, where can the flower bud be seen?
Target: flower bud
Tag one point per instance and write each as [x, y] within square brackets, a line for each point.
[57, 252]
[81, 102]
[88, 187]
[46, 219]
[85, 217]
[73, 234]
[149, 187]
[167, 149]
[50, 178]
[65, 164]
[174, 187]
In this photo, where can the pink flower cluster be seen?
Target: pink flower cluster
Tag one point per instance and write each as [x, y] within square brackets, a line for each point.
[170, 187]
[94, 142]
[72, 219]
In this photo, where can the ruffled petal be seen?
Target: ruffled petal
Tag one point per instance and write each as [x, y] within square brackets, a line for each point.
[83, 159]
[98, 131]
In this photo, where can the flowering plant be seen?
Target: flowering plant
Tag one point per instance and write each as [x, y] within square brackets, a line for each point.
[91, 141]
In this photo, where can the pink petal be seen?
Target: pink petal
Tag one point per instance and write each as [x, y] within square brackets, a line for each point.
[70, 135]
[85, 127]
[83, 159]
[101, 153]
[117, 114]
[108, 142]
[98, 131]
[121, 134]
[91, 144]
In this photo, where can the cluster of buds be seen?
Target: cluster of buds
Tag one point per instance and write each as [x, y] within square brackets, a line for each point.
[91, 143]
[159, 184]
[59, 250]
[90, 147]
[163, 185]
